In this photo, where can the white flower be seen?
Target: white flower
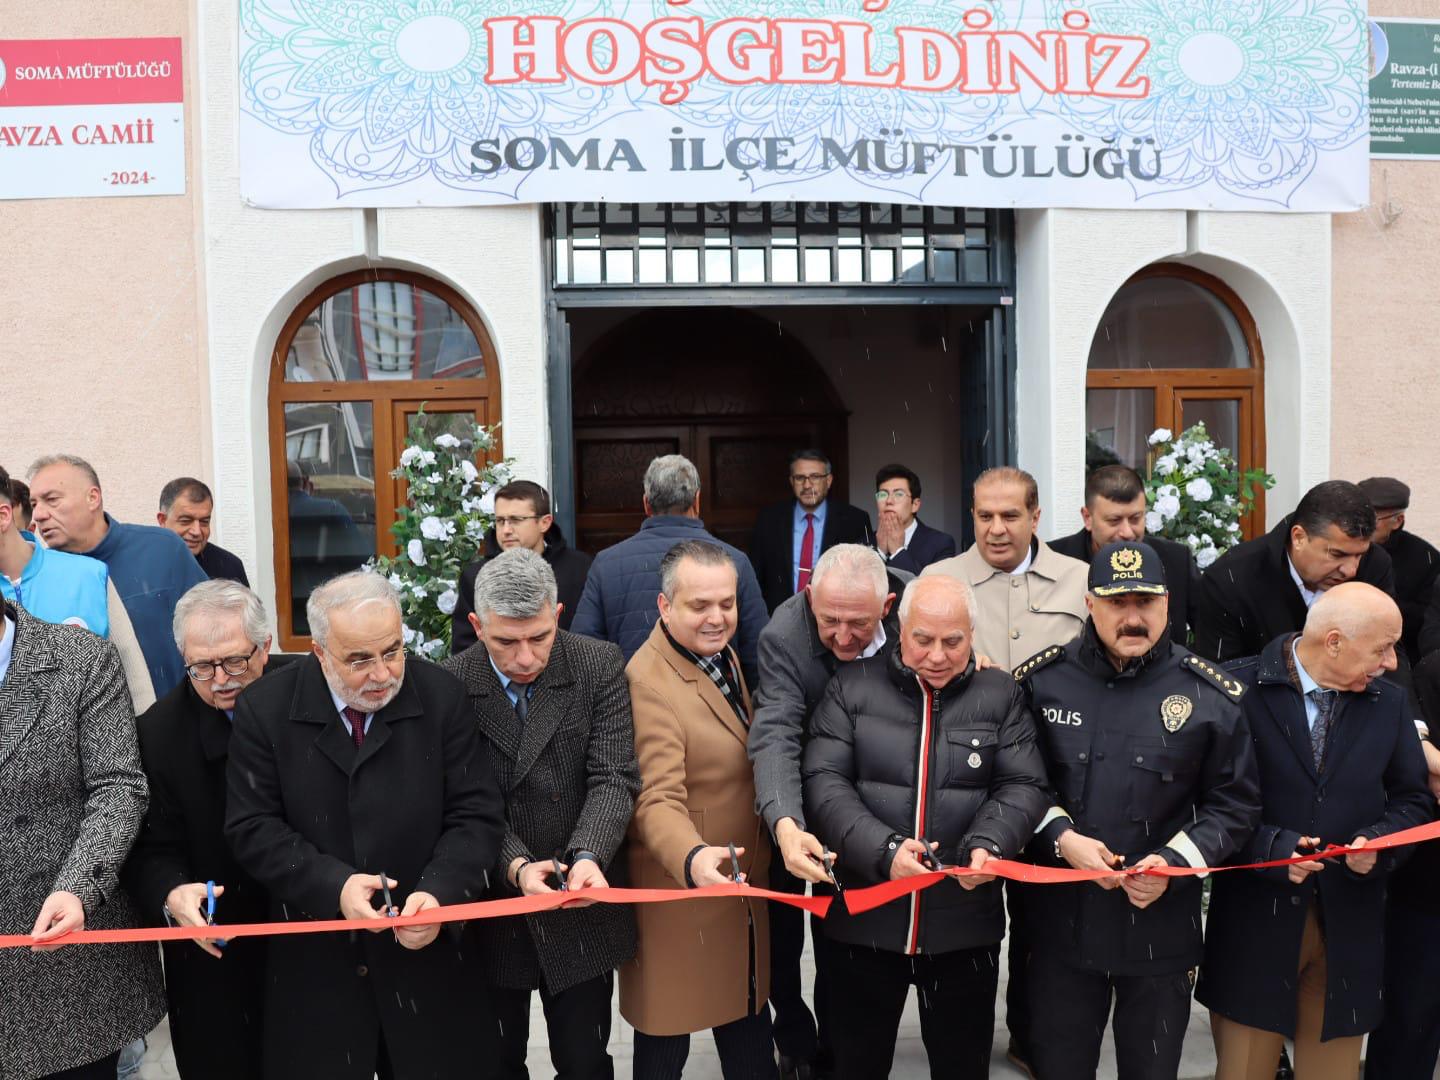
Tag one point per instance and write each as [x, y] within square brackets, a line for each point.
[418, 591]
[1196, 453]
[448, 441]
[1205, 556]
[470, 506]
[475, 528]
[447, 600]
[427, 457]
[1167, 489]
[407, 634]
[410, 455]
[416, 550]
[1233, 527]
[432, 528]
[1199, 489]
[467, 467]
[1154, 522]
[1160, 435]
[397, 581]
[1193, 541]
[1167, 506]
[434, 649]
[435, 478]
[487, 502]
[1229, 500]
[1166, 465]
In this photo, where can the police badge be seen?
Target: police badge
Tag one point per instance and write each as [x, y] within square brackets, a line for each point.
[1175, 710]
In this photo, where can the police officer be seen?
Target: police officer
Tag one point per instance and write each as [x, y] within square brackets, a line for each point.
[1150, 764]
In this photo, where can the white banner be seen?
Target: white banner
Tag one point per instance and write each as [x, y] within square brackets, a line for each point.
[1240, 105]
[91, 117]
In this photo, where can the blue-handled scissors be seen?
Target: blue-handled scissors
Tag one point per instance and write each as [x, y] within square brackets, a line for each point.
[390, 910]
[210, 910]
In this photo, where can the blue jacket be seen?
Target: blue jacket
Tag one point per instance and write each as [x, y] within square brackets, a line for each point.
[151, 568]
[58, 587]
[618, 603]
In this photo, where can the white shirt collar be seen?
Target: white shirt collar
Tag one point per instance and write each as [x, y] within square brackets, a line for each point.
[340, 705]
[1306, 682]
[909, 534]
[1025, 566]
[1308, 595]
[876, 643]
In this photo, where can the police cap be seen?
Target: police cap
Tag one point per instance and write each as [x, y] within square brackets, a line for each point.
[1127, 566]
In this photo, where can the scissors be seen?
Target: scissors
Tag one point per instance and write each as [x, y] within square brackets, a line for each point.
[927, 858]
[827, 863]
[390, 909]
[561, 875]
[735, 875]
[210, 910]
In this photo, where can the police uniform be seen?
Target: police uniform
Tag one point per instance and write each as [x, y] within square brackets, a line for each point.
[1154, 758]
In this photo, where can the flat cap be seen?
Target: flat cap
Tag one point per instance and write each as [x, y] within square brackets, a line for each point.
[1386, 493]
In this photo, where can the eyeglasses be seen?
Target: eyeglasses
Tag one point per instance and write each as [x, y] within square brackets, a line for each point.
[893, 495]
[514, 522]
[388, 659]
[204, 671]
[808, 479]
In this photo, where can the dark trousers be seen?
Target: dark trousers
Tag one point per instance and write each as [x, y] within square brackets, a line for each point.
[578, 1023]
[799, 1034]
[1072, 1006]
[1407, 1042]
[1017, 988]
[746, 1048]
[868, 990]
[104, 1069]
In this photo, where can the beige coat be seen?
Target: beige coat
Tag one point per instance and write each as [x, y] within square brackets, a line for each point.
[1020, 615]
[691, 971]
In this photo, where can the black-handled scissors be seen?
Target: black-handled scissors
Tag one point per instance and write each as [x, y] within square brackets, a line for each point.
[390, 910]
[735, 875]
[827, 863]
[927, 857]
[560, 875]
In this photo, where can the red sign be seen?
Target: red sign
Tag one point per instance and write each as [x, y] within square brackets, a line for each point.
[91, 71]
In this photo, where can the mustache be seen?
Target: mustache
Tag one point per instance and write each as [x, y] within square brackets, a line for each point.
[1133, 631]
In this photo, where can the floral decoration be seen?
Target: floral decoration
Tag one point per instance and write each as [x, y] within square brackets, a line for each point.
[1197, 493]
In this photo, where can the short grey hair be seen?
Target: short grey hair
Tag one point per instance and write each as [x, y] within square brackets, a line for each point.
[967, 594]
[855, 564]
[65, 459]
[516, 584]
[210, 599]
[703, 552]
[671, 484]
[347, 590]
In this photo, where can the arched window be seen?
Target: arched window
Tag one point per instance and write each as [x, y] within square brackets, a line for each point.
[1176, 347]
[351, 369]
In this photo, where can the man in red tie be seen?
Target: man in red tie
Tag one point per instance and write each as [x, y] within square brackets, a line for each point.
[359, 788]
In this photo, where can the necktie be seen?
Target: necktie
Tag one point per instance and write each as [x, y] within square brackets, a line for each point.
[522, 702]
[807, 554]
[357, 725]
[1325, 709]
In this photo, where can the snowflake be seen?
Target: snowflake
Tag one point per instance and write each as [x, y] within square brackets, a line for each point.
[394, 90]
[1244, 93]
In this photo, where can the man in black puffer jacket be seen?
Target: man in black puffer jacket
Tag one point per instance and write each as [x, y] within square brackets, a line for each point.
[916, 755]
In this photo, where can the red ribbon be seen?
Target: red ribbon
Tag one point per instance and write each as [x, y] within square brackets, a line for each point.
[857, 901]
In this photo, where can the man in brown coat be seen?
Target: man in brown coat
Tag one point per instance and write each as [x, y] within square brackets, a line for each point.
[703, 964]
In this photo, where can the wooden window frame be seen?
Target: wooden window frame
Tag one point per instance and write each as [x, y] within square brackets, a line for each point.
[1173, 385]
[389, 400]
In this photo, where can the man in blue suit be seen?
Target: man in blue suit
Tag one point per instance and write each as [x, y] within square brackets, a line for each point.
[906, 542]
[1298, 952]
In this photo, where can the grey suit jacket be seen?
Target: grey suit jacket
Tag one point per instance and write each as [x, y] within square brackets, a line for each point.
[569, 780]
[794, 669]
[72, 796]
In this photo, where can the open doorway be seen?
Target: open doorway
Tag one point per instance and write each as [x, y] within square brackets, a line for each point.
[737, 389]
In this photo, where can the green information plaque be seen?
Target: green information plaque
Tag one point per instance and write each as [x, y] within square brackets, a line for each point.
[1405, 88]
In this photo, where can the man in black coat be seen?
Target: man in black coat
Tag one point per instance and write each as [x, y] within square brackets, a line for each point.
[1150, 765]
[555, 710]
[790, 536]
[353, 771]
[915, 756]
[522, 520]
[1298, 952]
[1115, 509]
[1262, 588]
[843, 615]
[906, 542]
[184, 744]
[1416, 562]
[186, 506]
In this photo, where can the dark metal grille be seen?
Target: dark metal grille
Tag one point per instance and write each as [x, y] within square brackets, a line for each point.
[625, 245]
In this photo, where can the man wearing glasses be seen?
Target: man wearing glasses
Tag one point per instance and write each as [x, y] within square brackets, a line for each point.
[1416, 562]
[359, 788]
[522, 520]
[790, 536]
[180, 860]
[905, 541]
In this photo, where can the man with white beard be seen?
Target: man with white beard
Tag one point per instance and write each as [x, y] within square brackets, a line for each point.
[359, 789]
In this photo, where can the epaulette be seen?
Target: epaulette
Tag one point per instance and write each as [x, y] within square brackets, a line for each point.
[1233, 688]
[1038, 661]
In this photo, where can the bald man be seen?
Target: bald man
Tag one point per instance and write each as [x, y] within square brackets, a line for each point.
[1298, 951]
[916, 760]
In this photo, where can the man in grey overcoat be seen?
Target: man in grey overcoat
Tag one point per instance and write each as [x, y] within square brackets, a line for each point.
[555, 711]
[72, 795]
